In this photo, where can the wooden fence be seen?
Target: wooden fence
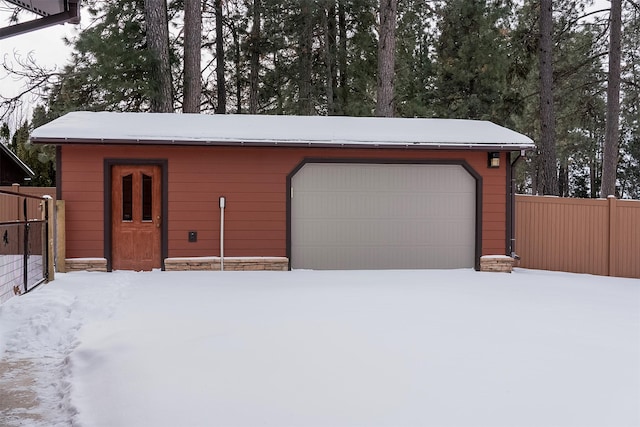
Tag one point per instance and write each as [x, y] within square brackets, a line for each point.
[26, 245]
[594, 236]
[11, 208]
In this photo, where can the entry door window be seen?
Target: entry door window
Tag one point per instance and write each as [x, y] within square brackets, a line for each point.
[147, 198]
[127, 197]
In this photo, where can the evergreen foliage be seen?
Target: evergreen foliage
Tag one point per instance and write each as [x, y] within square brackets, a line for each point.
[473, 62]
[40, 158]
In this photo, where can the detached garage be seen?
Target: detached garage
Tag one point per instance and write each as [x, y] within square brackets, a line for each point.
[143, 190]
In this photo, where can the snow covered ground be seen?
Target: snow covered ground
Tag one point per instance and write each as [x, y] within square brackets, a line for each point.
[309, 348]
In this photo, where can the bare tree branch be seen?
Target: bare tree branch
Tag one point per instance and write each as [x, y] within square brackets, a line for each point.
[35, 79]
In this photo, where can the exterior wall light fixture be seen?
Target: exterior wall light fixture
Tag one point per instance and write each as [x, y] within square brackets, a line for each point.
[494, 159]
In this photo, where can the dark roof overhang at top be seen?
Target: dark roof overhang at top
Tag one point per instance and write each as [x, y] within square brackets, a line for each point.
[51, 12]
[270, 130]
[10, 155]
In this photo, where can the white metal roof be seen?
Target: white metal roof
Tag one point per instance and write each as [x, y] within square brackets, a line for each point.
[235, 129]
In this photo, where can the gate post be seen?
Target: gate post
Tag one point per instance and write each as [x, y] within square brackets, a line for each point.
[61, 250]
[49, 221]
[25, 248]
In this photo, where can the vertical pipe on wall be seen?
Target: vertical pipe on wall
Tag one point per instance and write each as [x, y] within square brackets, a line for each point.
[222, 206]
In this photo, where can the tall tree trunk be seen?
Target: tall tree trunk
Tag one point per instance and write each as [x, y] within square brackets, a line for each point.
[547, 115]
[612, 131]
[593, 192]
[278, 88]
[535, 176]
[157, 33]
[221, 108]
[192, 44]
[255, 58]
[563, 179]
[237, 67]
[342, 59]
[333, 49]
[329, 24]
[386, 58]
[305, 104]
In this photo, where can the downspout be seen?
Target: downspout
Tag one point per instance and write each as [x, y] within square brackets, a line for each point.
[511, 205]
[223, 205]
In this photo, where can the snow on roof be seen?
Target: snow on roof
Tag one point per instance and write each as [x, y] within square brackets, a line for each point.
[329, 131]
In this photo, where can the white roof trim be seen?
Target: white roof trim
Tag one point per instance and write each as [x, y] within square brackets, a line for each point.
[232, 129]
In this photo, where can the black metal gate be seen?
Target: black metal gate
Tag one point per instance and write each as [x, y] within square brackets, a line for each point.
[23, 243]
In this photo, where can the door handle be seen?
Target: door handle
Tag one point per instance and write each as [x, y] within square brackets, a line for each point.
[158, 221]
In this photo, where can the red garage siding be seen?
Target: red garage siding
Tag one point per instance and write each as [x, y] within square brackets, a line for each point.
[254, 182]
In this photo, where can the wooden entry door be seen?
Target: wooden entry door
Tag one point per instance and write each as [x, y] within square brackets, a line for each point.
[136, 221]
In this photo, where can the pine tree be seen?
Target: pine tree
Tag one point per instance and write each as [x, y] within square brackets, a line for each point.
[157, 41]
[221, 108]
[580, 110]
[192, 44]
[329, 28]
[629, 167]
[110, 67]
[5, 134]
[305, 70]
[549, 181]
[255, 47]
[612, 134]
[342, 73]
[40, 158]
[577, 98]
[386, 58]
[472, 61]
[359, 85]
[414, 67]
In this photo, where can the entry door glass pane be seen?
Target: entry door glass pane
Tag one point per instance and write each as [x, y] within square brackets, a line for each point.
[127, 197]
[147, 187]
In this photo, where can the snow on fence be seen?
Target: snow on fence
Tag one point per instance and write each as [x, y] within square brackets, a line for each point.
[594, 236]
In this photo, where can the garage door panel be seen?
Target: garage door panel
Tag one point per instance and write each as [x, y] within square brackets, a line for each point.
[369, 232]
[355, 216]
[375, 205]
[362, 258]
[389, 178]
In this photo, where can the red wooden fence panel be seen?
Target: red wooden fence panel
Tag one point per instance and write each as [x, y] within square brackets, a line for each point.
[595, 236]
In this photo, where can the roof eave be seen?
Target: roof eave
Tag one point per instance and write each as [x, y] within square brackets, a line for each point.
[292, 144]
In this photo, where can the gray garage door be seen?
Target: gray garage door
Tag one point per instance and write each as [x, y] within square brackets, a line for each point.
[375, 216]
